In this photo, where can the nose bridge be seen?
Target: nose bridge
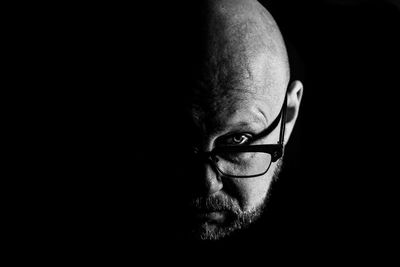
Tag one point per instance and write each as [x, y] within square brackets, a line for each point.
[205, 143]
[208, 176]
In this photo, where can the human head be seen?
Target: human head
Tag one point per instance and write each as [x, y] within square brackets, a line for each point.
[238, 90]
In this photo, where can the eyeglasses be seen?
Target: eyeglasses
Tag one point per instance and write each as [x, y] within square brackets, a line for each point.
[246, 161]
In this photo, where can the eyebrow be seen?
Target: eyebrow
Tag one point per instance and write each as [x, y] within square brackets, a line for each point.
[259, 118]
[255, 123]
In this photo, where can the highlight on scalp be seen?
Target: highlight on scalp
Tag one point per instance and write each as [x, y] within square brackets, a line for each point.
[238, 34]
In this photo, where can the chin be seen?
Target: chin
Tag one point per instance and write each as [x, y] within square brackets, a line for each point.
[214, 232]
[235, 223]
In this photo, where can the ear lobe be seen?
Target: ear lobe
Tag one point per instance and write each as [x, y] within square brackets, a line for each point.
[295, 94]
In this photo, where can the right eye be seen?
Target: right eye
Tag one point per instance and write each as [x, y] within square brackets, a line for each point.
[236, 139]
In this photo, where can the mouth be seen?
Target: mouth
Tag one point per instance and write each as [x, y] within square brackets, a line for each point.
[211, 216]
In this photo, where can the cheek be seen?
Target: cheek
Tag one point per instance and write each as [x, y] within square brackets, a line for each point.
[252, 191]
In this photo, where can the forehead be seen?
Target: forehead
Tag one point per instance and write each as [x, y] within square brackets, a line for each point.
[231, 81]
[231, 85]
[235, 85]
[237, 109]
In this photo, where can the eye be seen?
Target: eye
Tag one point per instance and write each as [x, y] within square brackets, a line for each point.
[237, 139]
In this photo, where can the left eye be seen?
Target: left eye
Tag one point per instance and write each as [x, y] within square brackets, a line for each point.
[238, 139]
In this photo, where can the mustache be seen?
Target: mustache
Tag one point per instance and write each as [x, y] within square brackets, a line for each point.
[215, 203]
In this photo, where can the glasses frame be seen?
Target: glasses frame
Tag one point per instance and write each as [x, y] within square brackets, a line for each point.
[275, 150]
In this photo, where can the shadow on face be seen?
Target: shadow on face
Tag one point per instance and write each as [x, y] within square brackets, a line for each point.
[190, 89]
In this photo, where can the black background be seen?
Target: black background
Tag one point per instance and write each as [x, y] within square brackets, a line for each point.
[342, 161]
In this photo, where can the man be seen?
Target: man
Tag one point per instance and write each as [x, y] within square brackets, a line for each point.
[239, 112]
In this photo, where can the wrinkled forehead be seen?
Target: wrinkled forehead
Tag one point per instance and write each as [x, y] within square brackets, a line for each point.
[234, 69]
[226, 85]
[214, 110]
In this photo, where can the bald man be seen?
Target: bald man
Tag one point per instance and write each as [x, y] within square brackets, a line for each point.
[241, 109]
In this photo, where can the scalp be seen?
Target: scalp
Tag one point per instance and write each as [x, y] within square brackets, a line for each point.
[245, 52]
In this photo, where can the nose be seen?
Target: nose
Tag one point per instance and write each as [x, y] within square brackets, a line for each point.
[202, 177]
[210, 179]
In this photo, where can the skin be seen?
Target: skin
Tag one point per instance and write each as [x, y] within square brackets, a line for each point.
[242, 88]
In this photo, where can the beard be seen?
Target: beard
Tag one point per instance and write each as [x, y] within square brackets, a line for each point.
[235, 219]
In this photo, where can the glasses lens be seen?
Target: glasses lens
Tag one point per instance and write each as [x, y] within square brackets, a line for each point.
[243, 163]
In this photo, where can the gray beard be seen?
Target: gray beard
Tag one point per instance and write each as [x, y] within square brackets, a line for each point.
[237, 221]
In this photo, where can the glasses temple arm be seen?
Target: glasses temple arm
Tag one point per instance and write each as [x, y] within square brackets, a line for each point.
[283, 122]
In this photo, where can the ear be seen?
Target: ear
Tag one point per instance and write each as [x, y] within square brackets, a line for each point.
[295, 93]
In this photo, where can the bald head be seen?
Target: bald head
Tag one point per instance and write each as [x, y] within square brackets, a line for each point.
[244, 26]
[244, 50]
[228, 91]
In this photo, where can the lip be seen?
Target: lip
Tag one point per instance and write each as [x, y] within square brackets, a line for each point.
[211, 216]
